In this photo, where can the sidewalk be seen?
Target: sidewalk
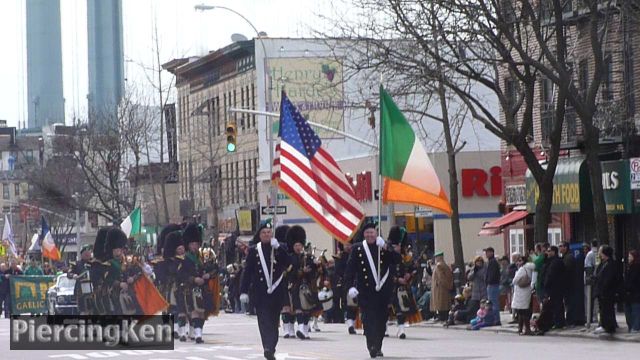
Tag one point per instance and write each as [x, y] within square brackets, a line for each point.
[575, 332]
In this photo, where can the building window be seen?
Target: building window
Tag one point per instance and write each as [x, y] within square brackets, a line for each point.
[607, 78]
[17, 190]
[253, 104]
[546, 116]
[511, 87]
[554, 236]
[583, 77]
[5, 191]
[516, 241]
[629, 87]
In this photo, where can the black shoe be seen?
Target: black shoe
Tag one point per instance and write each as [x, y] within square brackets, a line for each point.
[403, 336]
[286, 336]
[199, 340]
[175, 335]
[269, 355]
[183, 338]
[373, 353]
[380, 354]
[352, 330]
[300, 335]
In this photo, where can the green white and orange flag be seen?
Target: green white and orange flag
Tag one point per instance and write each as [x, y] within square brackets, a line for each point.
[409, 176]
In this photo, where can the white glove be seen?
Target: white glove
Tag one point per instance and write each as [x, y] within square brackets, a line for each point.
[244, 298]
[379, 241]
[353, 293]
[274, 243]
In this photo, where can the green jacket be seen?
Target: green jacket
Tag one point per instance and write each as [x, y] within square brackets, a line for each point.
[33, 270]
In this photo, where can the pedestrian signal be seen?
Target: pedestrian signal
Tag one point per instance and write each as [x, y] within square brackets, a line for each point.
[232, 136]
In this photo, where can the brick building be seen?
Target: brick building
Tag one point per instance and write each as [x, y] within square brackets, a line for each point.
[618, 120]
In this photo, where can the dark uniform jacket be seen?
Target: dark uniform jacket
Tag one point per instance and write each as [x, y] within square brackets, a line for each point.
[359, 275]
[254, 282]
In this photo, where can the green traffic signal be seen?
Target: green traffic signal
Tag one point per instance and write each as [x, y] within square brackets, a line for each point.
[231, 137]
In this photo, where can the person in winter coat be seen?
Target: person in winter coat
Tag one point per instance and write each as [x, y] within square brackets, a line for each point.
[492, 278]
[521, 301]
[632, 292]
[554, 285]
[607, 281]
[441, 286]
[478, 286]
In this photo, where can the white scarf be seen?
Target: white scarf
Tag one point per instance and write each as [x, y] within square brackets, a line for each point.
[271, 287]
[372, 266]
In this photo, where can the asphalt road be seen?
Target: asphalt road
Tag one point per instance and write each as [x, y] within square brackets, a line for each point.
[235, 337]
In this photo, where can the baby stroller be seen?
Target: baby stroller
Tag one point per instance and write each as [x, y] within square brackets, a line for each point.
[544, 322]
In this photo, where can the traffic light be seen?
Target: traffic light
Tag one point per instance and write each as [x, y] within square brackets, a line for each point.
[232, 135]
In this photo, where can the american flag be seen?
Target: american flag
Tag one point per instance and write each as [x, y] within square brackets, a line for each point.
[311, 177]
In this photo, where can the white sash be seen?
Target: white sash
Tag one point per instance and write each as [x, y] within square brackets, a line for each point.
[372, 266]
[267, 274]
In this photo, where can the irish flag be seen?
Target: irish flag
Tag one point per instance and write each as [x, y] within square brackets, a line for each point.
[49, 249]
[409, 176]
[131, 226]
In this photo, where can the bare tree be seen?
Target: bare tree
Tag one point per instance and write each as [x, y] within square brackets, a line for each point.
[470, 50]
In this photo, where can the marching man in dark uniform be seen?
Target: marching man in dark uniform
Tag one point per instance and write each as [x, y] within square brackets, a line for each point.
[371, 281]
[193, 278]
[302, 275]
[263, 281]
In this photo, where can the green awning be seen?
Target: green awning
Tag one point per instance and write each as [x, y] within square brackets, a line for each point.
[570, 186]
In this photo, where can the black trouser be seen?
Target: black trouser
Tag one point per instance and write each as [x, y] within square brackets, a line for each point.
[5, 301]
[557, 307]
[607, 314]
[375, 314]
[574, 304]
[268, 321]
[524, 319]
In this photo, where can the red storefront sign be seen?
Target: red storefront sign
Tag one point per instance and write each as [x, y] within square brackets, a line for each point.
[477, 182]
[361, 186]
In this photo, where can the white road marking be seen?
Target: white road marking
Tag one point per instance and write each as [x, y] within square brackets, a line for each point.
[73, 356]
[224, 357]
[103, 354]
[194, 358]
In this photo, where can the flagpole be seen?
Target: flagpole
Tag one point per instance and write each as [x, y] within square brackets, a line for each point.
[379, 186]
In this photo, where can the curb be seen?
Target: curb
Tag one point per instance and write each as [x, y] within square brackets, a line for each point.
[502, 330]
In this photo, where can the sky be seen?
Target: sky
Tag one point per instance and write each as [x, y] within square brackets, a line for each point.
[181, 31]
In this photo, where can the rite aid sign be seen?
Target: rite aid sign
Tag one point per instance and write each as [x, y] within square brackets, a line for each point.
[479, 182]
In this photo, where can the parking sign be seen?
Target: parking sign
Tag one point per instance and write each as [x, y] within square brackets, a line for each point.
[634, 167]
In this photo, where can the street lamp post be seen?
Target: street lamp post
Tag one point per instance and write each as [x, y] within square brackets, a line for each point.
[268, 87]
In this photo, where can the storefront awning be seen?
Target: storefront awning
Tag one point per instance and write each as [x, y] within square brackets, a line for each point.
[495, 227]
[570, 186]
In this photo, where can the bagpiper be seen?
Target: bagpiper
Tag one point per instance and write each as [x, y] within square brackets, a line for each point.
[193, 278]
[114, 278]
[288, 317]
[263, 281]
[346, 304]
[173, 259]
[301, 277]
[80, 271]
[99, 266]
[164, 268]
[404, 304]
[370, 270]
